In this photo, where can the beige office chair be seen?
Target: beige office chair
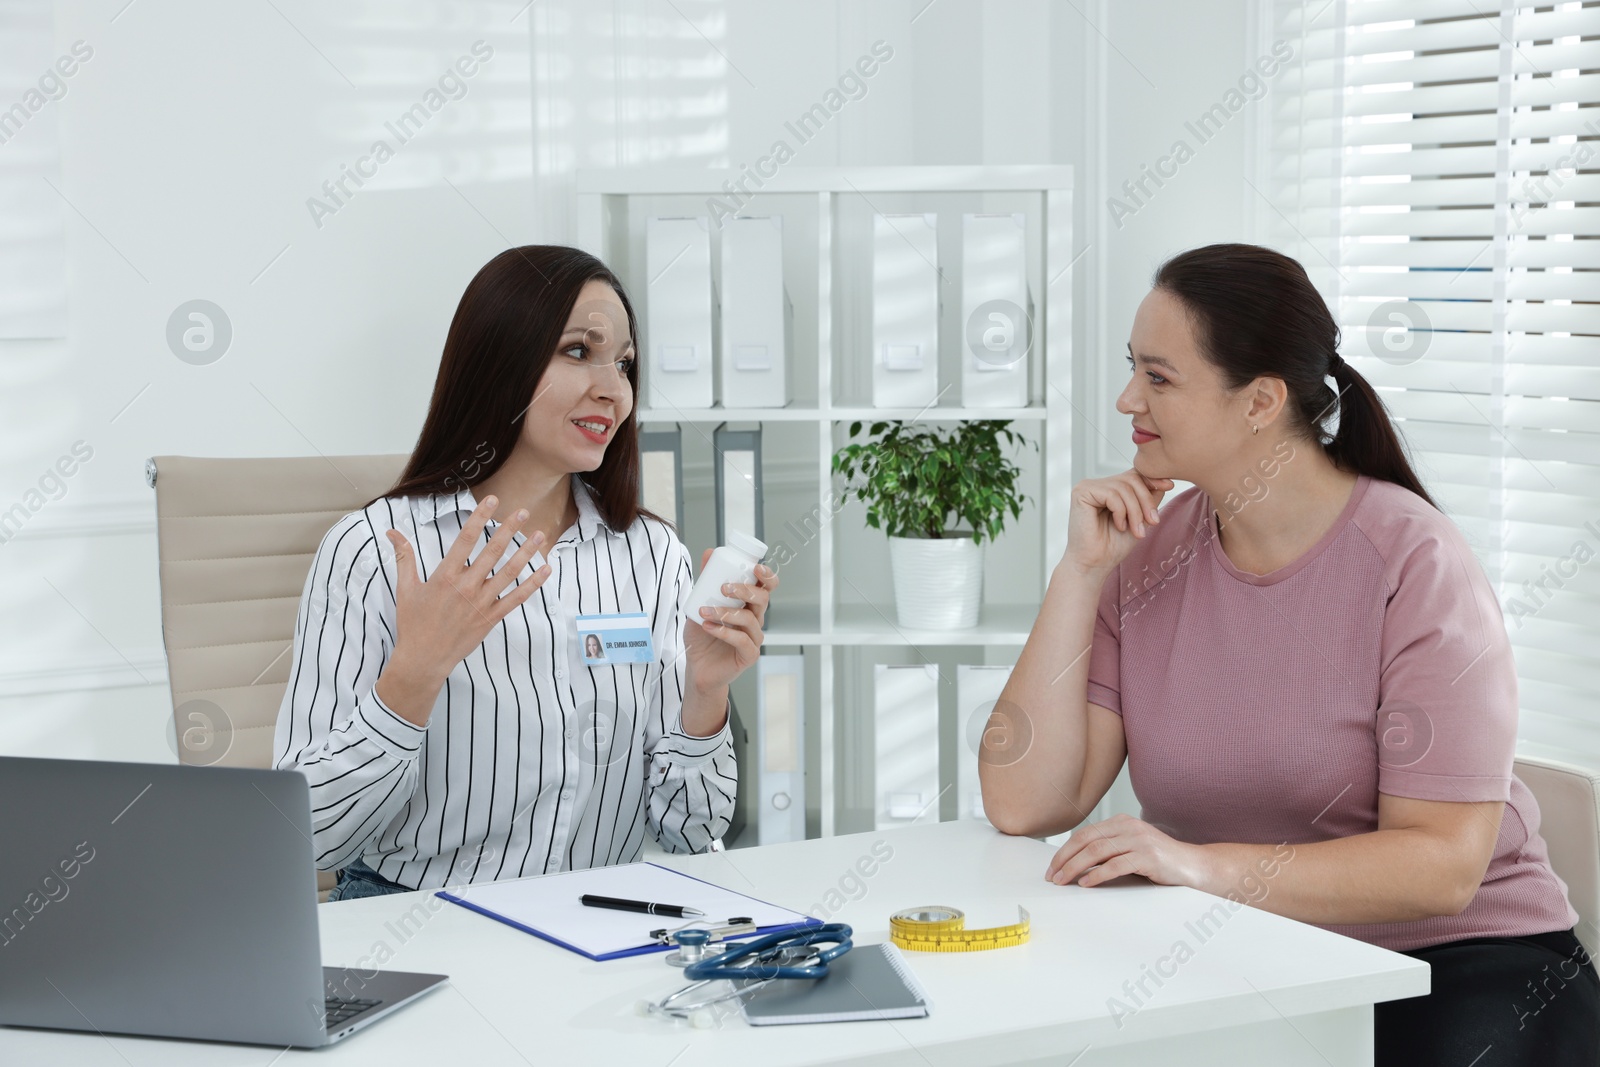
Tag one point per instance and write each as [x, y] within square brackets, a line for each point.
[236, 537]
[1569, 820]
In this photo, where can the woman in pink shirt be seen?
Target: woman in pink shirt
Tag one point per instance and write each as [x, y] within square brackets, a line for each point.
[1306, 669]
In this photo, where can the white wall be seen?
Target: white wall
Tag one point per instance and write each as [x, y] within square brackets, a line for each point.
[191, 142]
[193, 138]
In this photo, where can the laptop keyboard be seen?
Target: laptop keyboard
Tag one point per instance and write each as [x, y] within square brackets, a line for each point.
[340, 1010]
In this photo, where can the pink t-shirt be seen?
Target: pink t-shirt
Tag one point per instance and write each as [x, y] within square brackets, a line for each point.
[1264, 708]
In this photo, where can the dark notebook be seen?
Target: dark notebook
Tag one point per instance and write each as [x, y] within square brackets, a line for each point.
[868, 982]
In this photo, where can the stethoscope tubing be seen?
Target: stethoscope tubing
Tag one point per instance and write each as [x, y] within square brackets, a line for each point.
[723, 964]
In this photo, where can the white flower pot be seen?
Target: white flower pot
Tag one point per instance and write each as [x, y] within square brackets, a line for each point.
[938, 581]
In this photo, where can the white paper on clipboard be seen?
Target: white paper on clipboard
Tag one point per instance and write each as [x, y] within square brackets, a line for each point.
[548, 906]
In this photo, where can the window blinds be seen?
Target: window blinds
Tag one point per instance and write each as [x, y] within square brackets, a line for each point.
[1436, 165]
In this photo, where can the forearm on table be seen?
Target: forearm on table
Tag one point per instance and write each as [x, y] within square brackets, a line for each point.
[1043, 709]
[1385, 876]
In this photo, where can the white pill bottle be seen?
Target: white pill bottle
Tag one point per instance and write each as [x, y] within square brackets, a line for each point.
[733, 562]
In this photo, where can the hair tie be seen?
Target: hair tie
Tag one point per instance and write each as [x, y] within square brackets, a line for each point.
[1330, 414]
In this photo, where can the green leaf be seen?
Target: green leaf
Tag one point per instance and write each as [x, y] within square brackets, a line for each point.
[924, 481]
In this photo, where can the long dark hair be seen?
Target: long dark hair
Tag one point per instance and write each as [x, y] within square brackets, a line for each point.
[505, 331]
[1257, 313]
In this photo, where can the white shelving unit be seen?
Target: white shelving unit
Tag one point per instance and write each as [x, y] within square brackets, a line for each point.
[823, 209]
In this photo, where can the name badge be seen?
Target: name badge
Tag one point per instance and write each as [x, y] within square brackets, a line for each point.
[620, 638]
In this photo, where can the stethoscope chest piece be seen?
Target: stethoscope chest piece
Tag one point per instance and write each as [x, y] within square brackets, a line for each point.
[746, 967]
[691, 947]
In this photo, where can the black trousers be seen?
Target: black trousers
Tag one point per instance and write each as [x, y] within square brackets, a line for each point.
[1497, 1001]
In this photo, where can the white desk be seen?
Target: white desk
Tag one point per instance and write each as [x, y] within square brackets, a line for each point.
[1258, 989]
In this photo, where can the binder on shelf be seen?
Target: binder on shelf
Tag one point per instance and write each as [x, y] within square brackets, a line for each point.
[996, 311]
[661, 472]
[780, 738]
[678, 300]
[755, 367]
[905, 310]
[978, 687]
[906, 743]
[736, 468]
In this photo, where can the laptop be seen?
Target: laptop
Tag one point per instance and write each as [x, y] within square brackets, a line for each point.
[171, 901]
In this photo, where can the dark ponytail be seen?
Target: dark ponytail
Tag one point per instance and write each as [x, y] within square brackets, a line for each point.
[1258, 314]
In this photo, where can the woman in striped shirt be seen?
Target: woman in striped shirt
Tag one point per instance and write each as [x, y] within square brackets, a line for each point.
[439, 701]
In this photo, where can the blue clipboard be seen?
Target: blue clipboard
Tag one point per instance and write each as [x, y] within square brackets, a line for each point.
[638, 950]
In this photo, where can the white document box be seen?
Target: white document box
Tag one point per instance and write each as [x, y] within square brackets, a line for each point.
[678, 371]
[755, 366]
[906, 743]
[905, 310]
[978, 687]
[996, 312]
[780, 738]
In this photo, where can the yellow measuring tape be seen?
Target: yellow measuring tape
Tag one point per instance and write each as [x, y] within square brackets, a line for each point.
[940, 929]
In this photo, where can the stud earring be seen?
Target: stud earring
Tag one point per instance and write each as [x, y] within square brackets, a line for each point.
[1255, 429]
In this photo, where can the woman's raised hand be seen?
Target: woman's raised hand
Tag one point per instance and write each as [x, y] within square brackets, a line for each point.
[1109, 516]
[438, 622]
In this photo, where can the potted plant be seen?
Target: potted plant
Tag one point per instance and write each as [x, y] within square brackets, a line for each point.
[938, 495]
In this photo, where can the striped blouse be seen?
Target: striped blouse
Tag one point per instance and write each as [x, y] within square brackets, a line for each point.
[532, 762]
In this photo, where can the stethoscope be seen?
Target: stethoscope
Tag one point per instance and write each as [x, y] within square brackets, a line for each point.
[749, 965]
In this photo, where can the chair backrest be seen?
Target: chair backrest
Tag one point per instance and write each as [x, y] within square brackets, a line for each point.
[1569, 822]
[236, 538]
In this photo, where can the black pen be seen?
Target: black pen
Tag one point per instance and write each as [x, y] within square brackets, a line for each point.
[619, 904]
